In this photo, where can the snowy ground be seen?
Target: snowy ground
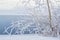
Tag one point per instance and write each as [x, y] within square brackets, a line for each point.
[26, 37]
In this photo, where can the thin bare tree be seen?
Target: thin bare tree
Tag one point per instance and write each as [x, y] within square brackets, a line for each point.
[49, 11]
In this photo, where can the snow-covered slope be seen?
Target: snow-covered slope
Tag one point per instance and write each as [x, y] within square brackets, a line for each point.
[26, 37]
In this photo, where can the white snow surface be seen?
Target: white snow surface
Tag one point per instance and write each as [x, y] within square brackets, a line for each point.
[26, 37]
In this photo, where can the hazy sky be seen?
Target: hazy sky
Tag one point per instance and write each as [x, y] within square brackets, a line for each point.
[7, 7]
[12, 4]
[7, 4]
